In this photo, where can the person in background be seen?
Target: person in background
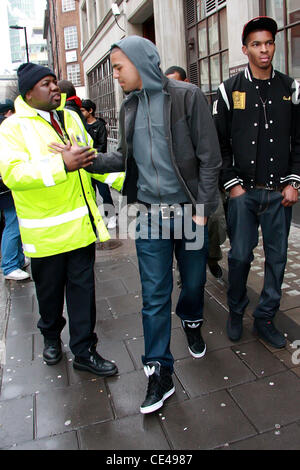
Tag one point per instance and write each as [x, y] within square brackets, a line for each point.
[257, 115]
[7, 109]
[13, 260]
[96, 127]
[216, 224]
[176, 73]
[73, 102]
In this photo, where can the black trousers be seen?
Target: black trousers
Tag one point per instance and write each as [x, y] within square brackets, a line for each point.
[67, 275]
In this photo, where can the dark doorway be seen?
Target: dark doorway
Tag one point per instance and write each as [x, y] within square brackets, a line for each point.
[149, 29]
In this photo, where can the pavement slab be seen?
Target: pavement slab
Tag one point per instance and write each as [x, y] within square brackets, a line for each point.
[279, 393]
[23, 380]
[130, 433]
[280, 438]
[72, 407]
[217, 370]
[16, 421]
[65, 441]
[205, 423]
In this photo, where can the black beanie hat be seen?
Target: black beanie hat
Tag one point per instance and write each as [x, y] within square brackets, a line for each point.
[29, 74]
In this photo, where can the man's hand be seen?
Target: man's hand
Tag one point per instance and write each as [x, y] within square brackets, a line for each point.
[290, 196]
[199, 220]
[75, 157]
[237, 191]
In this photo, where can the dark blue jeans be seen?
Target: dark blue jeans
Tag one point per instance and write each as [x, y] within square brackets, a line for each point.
[155, 256]
[257, 207]
[11, 244]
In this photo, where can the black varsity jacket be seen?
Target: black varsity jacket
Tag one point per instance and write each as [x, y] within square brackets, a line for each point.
[236, 114]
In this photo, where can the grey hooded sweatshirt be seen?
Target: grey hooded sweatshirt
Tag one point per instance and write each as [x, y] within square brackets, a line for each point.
[157, 181]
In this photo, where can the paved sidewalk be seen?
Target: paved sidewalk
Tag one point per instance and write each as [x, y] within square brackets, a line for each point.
[239, 396]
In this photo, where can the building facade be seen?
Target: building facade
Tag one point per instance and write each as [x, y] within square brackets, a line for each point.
[25, 23]
[63, 34]
[202, 36]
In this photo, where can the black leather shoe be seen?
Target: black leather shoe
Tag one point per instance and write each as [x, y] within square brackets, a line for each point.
[234, 326]
[95, 364]
[265, 329]
[52, 353]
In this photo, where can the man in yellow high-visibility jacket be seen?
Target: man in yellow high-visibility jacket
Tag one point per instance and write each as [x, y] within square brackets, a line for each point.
[57, 213]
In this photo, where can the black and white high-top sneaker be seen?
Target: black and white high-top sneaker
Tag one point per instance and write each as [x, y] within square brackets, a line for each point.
[196, 344]
[160, 387]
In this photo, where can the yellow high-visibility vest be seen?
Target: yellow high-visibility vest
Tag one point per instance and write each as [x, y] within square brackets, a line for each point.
[54, 207]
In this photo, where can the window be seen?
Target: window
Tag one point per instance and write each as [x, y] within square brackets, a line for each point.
[71, 38]
[206, 21]
[71, 56]
[73, 73]
[102, 92]
[68, 5]
[287, 15]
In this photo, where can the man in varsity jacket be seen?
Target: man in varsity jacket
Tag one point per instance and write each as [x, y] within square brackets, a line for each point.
[257, 115]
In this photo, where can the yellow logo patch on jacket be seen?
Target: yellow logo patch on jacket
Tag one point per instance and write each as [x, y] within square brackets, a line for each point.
[239, 99]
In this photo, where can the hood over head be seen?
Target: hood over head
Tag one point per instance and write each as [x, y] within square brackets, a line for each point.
[144, 55]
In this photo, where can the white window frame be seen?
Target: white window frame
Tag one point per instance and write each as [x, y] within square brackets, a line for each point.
[73, 74]
[71, 37]
[68, 5]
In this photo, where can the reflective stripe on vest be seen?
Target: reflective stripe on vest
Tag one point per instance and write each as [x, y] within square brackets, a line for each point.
[53, 221]
[45, 169]
[30, 248]
[111, 177]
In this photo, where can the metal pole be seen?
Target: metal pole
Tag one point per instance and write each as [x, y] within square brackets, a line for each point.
[26, 43]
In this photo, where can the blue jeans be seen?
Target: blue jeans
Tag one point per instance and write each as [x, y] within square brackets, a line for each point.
[155, 258]
[257, 207]
[11, 245]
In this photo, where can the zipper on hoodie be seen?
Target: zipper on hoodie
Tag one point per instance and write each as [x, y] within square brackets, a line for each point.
[151, 141]
[173, 161]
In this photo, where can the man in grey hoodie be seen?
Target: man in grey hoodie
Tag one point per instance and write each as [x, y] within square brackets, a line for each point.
[169, 149]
